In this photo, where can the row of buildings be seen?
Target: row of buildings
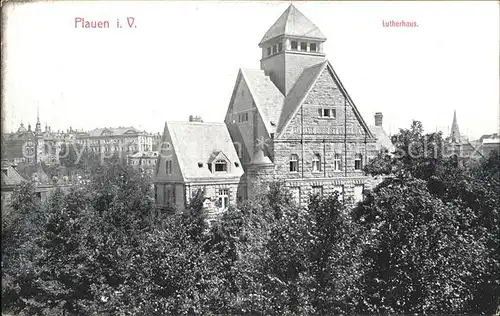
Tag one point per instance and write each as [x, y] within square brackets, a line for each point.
[32, 146]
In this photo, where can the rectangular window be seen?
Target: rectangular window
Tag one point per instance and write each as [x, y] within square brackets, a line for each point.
[316, 163]
[312, 47]
[275, 49]
[303, 46]
[280, 47]
[220, 166]
[223, 198]
[337, 160]
[294, 45]
[294, 163]
[269, 51]
[317, 190]
[358, 162]
[168, 167]
[327, 113]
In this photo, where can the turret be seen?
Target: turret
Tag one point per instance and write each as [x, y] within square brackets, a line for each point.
[292, 44]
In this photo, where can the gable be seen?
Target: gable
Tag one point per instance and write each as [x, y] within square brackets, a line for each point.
[241, 101]
[218, 155]
[166, 152]
[319, 88]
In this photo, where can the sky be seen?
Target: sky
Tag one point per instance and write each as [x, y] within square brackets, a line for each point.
[182, 58]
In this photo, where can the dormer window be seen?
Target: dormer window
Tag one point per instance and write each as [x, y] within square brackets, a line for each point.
[280, 47]
[294, 45]
[275, 49]
[269, 51]
[303, 46]
[220, 166]
[312, 47]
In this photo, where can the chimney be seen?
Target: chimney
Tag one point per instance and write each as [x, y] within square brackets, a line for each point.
[378, 119]
[193, 118]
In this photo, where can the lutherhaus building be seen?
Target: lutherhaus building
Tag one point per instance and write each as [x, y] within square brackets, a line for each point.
[291, 120]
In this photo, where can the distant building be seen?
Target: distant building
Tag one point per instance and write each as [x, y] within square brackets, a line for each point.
[489, 143]
[383, 140]
[109, 140]
[459, 145]
[10, 178]
[35, 146]
[143, 159]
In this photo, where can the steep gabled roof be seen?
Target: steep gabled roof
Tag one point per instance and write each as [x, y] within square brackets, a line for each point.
[383, 140]
[293, 23]
[196, 142]
[268, 99]
[301, 90]
[10, 176]
[298, 93]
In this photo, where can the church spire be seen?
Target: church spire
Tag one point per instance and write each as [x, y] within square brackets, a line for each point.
[38, 127]
[455, 132]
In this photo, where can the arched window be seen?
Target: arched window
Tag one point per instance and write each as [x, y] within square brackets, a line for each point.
[294, 163]
[316, 163]
[358, 162]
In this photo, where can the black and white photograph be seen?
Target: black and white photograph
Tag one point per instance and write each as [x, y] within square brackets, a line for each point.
[250, 158]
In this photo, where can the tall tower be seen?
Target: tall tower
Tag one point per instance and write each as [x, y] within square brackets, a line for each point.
[455, 132]
[292, 44]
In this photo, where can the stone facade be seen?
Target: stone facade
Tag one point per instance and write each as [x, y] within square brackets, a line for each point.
[317, 141]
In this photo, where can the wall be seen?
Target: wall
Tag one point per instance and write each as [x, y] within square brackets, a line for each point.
[342, 135]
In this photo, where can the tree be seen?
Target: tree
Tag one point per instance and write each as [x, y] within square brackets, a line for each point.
[422, 255]
[18, 249]
[465, 188]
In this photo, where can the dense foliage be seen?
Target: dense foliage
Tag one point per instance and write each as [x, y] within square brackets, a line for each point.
[425, 240]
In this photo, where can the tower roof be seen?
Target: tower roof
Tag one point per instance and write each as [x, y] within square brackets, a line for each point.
[293, 23]
[455, 131]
